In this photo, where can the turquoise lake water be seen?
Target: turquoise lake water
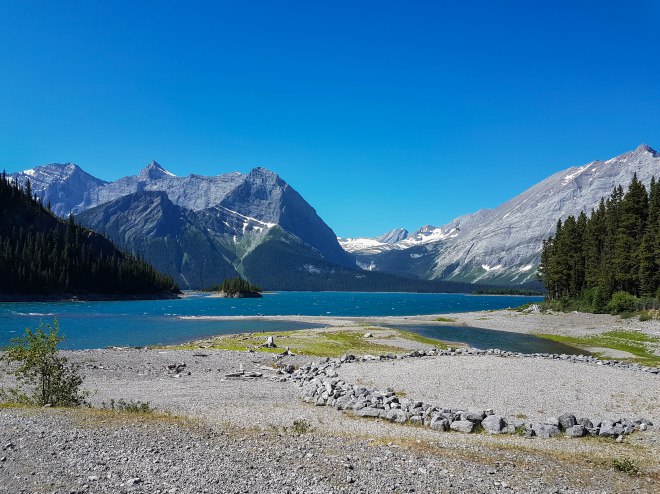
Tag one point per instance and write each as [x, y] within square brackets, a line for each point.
[151, 322]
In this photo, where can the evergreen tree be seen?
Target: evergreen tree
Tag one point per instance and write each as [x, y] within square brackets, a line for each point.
[41, 254]
[614, 250]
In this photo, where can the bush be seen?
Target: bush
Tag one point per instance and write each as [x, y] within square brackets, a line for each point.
[53, 379]
[622, 302]
[139, 407]
[594, 300]
[625, 465]
[301, 426]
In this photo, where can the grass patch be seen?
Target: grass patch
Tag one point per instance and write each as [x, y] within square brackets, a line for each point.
[636, 343]
[9, 405]
[409, 335]
[625, 465]
[321, 343]
[444, 319]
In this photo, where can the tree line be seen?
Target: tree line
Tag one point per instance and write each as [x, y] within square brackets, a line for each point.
[232, 286]
[611, 256]
[42, 254]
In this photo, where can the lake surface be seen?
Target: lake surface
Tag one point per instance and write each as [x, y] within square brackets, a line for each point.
[489, 338]
[152, 322]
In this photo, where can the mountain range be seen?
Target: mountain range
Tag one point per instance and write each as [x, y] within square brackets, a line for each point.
[502, 245]
[202, 229]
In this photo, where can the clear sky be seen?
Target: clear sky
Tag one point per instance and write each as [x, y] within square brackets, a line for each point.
[381, 114]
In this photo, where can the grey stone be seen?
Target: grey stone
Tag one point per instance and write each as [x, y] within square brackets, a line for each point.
[396, 415]
[575, 431]
[493, 424]
[416, 420]
[552, 421]
[547, 430]
[464, 426]
[606, 429]
[439, 424]
[566, 421]
[586, 423]
[472, 417]
[368, 412]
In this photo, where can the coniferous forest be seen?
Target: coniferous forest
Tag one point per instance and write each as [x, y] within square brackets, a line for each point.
[41, 254]
[608, 261]
[234, 285]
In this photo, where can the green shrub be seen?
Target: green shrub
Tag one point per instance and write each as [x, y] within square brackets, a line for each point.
[622, 302]
[645, 316]
[301, 426]
[128, 406]
[625, 465]
[53, 379]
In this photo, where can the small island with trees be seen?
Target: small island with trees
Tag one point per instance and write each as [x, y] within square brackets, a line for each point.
[235, 288]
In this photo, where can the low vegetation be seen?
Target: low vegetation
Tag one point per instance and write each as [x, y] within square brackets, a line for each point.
[301, 426]
[640, 345]
[625, 465]
[444, 319]
[137, 407]
[323, 343]
[44, 376]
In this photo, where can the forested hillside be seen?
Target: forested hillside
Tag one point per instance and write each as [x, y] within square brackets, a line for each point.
[614, 249]
[43, 255]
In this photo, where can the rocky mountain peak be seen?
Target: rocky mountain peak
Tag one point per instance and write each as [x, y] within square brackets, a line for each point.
[645, 148]
[393, 236]
[153, 171]
[265, 173]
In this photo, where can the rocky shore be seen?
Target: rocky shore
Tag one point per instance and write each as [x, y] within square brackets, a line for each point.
[428, 420]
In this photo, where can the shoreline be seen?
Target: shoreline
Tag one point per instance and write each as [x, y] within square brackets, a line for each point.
[559, 323]
[246, 408]
[87, 297]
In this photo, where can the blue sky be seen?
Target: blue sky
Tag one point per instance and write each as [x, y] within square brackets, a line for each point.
[381, 114]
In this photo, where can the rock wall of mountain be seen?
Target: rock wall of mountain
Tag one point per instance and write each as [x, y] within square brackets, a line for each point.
[503, 245]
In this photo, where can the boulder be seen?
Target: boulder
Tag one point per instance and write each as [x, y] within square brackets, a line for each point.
[607, 429]
[575, 431]
[547, 430]
[552, 421]
[368, 412]
[567, 421]
[396, 415]
[439, 424]
[493, 424]
[586, 423]
[464, 426]
[416, 420]
[475, 417]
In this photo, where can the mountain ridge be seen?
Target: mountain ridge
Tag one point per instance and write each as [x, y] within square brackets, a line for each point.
[503, 244]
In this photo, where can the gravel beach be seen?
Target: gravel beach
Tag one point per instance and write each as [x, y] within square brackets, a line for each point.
[213, 433]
